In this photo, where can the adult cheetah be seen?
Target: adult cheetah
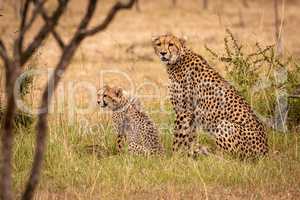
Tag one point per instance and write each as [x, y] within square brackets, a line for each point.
[202, 98]
[130, 122]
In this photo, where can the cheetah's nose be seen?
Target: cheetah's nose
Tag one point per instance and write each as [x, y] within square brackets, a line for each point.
[163, 53]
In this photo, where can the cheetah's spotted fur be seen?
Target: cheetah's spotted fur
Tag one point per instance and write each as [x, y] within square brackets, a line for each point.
[202, 98]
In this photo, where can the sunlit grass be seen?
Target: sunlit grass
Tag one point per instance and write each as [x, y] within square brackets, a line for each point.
[88, 165]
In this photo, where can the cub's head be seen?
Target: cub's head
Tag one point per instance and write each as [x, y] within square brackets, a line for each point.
[168, 48]
[115, 98]
[111, 97]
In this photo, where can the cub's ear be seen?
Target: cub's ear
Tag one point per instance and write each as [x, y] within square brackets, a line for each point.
[119, 92]
[105, 87]
[154, 38]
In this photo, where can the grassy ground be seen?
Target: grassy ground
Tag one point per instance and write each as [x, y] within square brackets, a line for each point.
[81, 162]
[84, 165]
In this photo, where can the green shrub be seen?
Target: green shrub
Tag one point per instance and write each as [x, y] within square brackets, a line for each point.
[260, 75]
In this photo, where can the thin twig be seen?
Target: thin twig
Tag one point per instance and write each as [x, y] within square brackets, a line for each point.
[38, 5]
[19, 41]
[110, 16]
[24, 15]
[44, 31]
[46, 18]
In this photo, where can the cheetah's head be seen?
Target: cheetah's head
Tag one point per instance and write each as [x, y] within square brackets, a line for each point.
[111, 97]
[168, 48]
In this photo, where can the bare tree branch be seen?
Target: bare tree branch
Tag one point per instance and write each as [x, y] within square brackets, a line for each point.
[18, 60]
[58, 39]
[19, 43]
[50, 24]
[42, 124]
[110, 16]
[38, 6]
[13, 69]
[24, 14]
[46, 18]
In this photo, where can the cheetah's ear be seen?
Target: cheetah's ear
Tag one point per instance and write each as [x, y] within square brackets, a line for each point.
[119, 92]
[183, 40]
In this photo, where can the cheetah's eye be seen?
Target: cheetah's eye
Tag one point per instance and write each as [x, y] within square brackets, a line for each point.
[158, 44]
[171, 44]
[104, 95]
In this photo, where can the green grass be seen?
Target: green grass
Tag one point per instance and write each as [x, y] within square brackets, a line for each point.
[74, 170]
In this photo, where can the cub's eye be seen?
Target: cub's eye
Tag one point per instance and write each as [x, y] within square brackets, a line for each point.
[104, 95]
[158, 44]
[171, 44]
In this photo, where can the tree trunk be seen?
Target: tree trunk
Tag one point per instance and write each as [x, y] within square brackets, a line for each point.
[7, 133]
[7, 140]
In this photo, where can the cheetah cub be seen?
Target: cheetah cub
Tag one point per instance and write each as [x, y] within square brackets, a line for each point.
[130, 122]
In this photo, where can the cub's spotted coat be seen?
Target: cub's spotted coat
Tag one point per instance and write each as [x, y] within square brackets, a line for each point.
[130, 122]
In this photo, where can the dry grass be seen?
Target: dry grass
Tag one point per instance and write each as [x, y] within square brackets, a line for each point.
[71, 171]
[81, 165]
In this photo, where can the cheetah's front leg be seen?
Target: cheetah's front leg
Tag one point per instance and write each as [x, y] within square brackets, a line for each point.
[120, 126]
[184, 132]
[121, 140]
[185, 136]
